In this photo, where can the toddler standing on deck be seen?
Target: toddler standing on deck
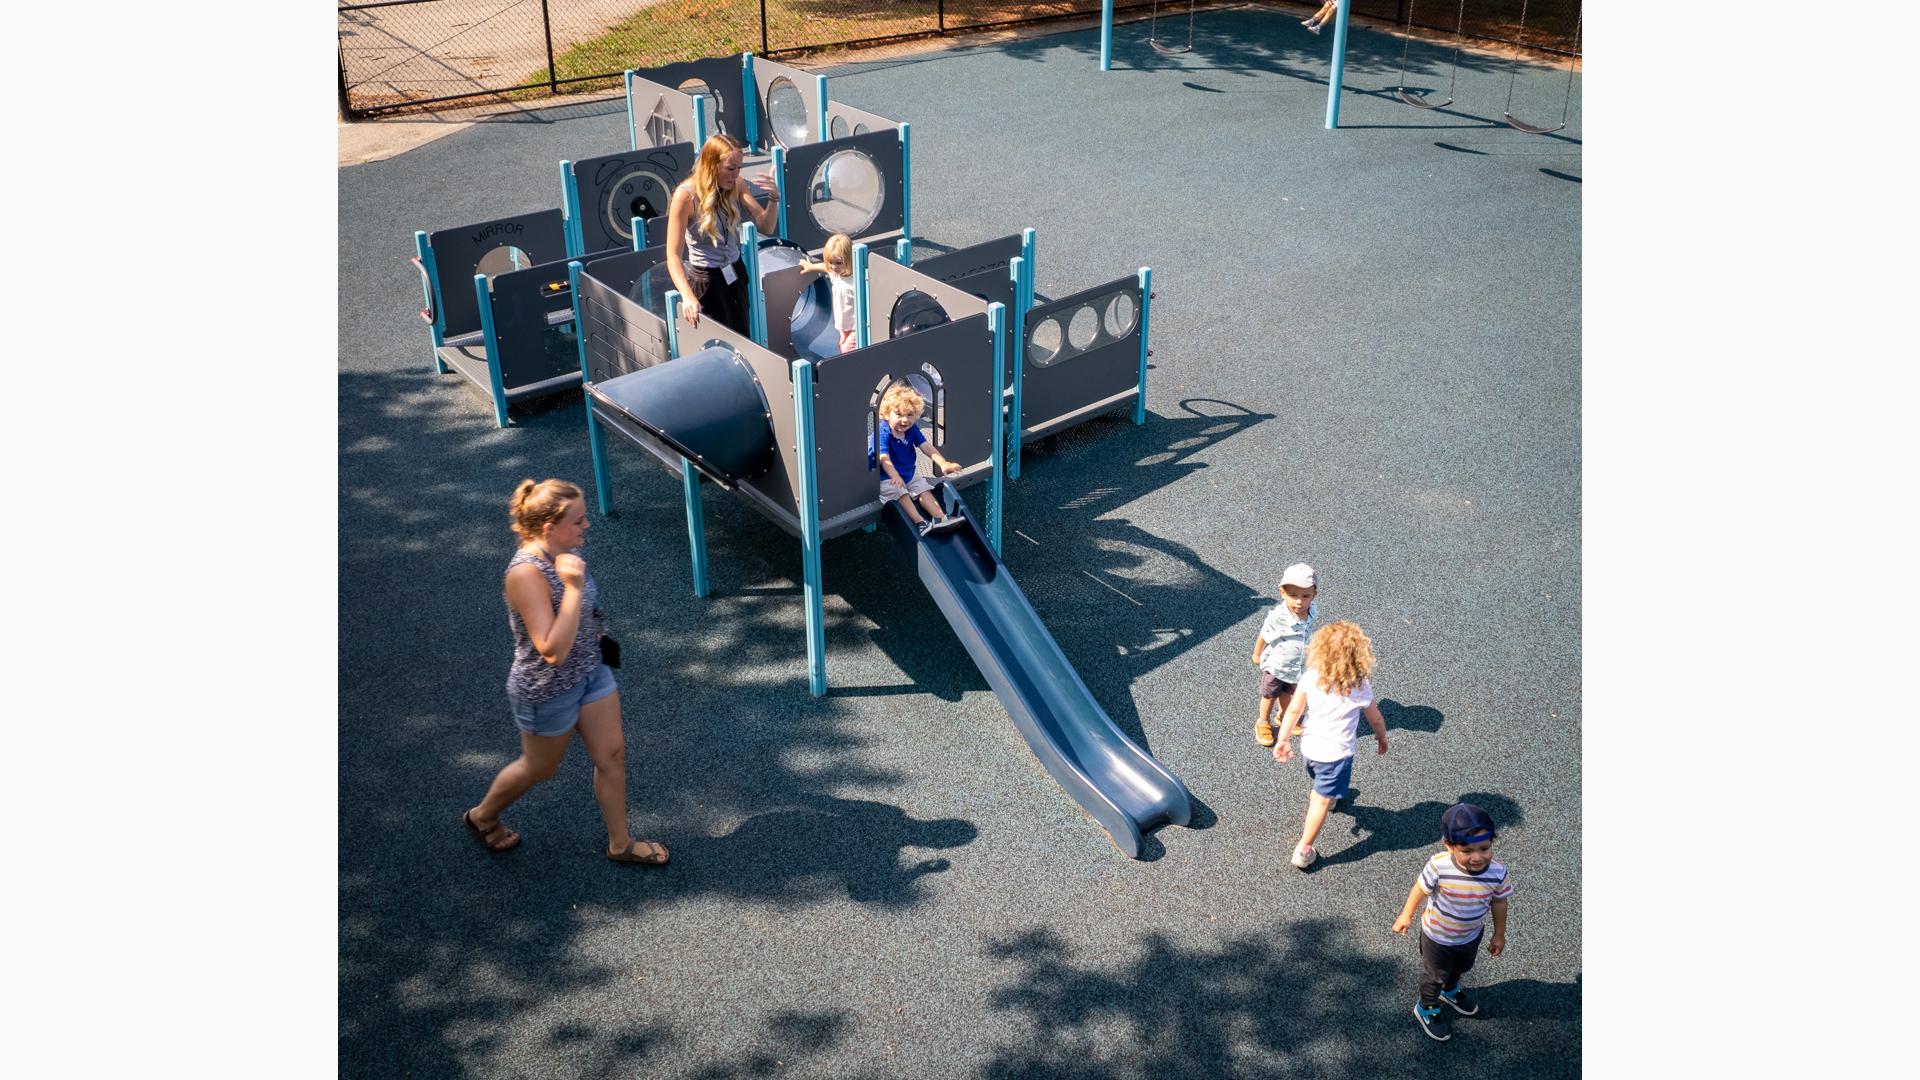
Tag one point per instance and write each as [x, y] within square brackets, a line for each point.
[836, 261]
[1281, 649]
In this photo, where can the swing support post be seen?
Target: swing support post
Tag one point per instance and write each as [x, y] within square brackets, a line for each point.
[1339, 65]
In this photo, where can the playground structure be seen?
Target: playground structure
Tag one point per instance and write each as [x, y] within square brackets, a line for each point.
[778, 415]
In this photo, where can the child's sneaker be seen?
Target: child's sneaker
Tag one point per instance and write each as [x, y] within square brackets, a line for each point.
[1434, 1023]
[1263, 733]
[925, 527]
[1303, 856]
[1462, 1004]
[1313, 29]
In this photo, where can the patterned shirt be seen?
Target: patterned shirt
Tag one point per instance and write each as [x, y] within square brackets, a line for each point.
[531, 679]
[1286, 638]
[1458, 902]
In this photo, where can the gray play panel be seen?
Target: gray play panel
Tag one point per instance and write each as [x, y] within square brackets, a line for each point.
[1366, 355]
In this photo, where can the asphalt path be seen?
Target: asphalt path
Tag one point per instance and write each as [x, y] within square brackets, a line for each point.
[1366, 356]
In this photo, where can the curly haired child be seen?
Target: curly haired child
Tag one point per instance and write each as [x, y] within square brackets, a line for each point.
[1334, 693]
[894, 443]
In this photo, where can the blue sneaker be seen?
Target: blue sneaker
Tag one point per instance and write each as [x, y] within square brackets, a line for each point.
[1434, 1022]
[1462, 1004]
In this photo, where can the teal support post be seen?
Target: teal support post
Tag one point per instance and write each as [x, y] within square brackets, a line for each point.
[756, 302]
[750, 94]
[1339, 65]
[860, 296]
[696, 526]
[997, 320]
[689, 476]
[639, 234]
[1106, 35]
[633, 125]
[596, 444]
[570, 211]
[903, 251]
[1017, 268]
[820, 114]
[780, 178]
[492, 341]
[1146, 307]
[906, 180]
[809, 508]
[699, 122]
[429, 276]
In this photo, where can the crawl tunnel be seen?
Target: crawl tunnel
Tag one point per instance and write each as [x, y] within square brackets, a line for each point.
[814, 337]
[707, 406]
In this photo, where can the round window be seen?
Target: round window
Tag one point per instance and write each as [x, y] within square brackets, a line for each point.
[1043, 344]
[845, 193]
[787, 112]
[916, 311]
[860, 129]
[1084, 327]
[837, 128]
[502, 260]
[1120, 315]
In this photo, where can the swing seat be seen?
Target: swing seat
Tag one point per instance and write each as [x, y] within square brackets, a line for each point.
[1168, 50]
[1407, 96]
[1521, 125]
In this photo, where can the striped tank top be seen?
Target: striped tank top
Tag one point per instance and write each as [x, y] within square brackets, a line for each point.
[531, 679]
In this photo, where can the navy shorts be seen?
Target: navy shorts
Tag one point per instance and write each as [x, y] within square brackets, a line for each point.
[1330, 778]
[1272, 687]
[557, 715]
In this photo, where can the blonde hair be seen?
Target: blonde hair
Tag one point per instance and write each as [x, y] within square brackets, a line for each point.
[901, 398]
[1341, 655]
[717, 209]
[839, 248]
[535, 505]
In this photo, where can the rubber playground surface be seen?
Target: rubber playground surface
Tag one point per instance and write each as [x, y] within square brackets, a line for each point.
[1366, 350]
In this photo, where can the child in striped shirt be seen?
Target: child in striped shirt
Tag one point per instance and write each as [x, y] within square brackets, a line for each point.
[1463, 885]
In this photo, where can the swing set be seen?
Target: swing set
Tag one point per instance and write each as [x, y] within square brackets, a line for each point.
[1410, 97]
[1153, 36]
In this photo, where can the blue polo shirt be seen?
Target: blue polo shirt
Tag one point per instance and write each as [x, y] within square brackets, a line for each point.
[900, 449]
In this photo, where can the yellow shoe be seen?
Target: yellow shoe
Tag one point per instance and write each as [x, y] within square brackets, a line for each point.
[1263, 733]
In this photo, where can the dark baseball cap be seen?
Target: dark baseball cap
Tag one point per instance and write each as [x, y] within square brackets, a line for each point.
[1465, 823]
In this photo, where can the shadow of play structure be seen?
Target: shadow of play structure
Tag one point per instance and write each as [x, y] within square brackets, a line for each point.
[776, 414]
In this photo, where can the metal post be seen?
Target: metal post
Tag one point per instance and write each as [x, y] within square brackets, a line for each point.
[633, 125]
[756, 310]
[639, 234]
[820, 117]
[1106, 35]
[780, 177]
[570, 208]
[997, 320]
[689, 476]
[860, 334]
[763, 26]
[431, 272]
[943, 16]
[699, 121]
[553, 76]
[1146, 304]
[1023, 296]
[903, 251]
[809, 496]
[492, 344]
[596, 446]
[906, 180]
[1339, 65]
[750, 94]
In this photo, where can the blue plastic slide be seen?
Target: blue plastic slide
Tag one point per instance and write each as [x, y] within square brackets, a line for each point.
[1119, 785]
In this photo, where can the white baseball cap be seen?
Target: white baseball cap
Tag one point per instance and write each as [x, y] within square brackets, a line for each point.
[1299, 574]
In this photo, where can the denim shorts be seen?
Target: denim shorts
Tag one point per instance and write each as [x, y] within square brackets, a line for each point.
[557, 715]
[1330, 778]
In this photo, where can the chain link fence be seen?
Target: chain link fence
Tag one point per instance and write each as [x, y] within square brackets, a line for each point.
[401, 54]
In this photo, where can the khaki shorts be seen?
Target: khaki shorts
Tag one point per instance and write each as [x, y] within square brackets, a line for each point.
[915, 485]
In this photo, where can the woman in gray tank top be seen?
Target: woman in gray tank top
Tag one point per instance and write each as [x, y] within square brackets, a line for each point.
[558, 683]
[703, 234]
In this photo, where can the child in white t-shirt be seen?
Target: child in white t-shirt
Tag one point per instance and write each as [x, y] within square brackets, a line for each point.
[1280, 650]
[1334, 693]
[836, 261]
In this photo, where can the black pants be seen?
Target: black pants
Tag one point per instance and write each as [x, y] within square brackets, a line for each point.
[723, 303]
[1442, 965]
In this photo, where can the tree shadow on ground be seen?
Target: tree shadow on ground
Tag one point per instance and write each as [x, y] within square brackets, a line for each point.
[1305, 1000]
[1417, 826]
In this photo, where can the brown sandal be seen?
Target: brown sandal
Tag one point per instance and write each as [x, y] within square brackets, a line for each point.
[656, 853]
[491, 838]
